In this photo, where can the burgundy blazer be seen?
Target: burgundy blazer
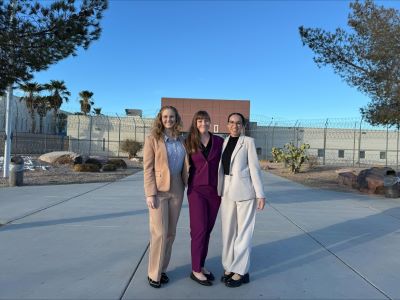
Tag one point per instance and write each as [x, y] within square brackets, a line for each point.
[204, 171]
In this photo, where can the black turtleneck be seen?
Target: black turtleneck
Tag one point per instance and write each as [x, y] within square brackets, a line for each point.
[226, 156]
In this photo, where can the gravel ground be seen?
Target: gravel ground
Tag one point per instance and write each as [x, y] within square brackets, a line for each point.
[45, 174]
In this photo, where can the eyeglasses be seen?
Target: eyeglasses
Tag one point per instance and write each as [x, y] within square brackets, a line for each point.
[235, 123]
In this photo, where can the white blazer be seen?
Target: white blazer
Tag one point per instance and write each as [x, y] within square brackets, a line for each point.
[245, 180]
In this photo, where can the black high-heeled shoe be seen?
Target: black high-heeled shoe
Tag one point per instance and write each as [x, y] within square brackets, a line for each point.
[236, 283]
[164, 278]
[226, 277]
[154, 284]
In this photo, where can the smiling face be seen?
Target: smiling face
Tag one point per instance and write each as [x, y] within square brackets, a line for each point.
[203, 125]
[235, 125]
[168, 118]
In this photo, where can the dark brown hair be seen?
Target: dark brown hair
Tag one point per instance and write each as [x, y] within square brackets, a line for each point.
[240, 115]
[193, 139]
[158, 127]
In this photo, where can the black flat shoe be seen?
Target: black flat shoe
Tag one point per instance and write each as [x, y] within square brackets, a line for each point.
[236, 283]
[154, 284]
[210, 276]
[202, 282]
[226, 277]
[164, 278]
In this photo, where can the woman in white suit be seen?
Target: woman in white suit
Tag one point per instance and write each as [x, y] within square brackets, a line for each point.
[241, 188]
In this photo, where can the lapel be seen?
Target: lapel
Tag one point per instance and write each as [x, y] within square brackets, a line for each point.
[237, 148]
[163, 148]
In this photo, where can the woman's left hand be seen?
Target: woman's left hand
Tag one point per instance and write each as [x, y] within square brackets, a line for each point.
[260, 203]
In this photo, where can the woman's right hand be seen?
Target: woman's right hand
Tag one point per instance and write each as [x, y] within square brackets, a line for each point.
[151, 202]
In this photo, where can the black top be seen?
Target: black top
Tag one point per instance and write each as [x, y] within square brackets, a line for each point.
[226, 156]
[206, 150]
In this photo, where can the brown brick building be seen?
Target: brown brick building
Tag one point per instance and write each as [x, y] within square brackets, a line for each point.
[218, 110]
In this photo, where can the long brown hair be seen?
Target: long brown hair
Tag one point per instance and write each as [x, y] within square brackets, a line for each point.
[193, 140]
[158, 127]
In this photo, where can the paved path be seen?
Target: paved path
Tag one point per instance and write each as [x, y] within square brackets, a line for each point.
[90, 241]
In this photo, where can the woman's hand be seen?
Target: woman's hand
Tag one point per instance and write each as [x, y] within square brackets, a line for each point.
[260, 203]
[151, 202]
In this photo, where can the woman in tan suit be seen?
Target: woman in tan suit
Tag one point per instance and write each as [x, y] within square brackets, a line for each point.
[165, 165]
[241, 187]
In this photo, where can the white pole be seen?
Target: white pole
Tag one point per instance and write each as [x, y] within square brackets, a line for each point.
[7, 142]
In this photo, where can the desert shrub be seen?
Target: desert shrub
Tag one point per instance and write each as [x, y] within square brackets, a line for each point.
[119, 163]
[94, 162]
[86, 168]
[109, 168]
[277, 154]
[291, 156]
[131, 147]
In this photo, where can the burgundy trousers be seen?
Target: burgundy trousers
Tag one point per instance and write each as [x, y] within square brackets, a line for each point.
[204, 203]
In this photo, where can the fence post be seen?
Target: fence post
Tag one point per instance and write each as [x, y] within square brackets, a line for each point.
[273, 135]
[354, 142]
[134, 122]
[90, 134]
[397, 148]
[325, 132]
[266, 137]
[387, 145]
[359, 144]
[79, 126]
[297, 134]
[119, 134]
[108, 136]
[294, 131]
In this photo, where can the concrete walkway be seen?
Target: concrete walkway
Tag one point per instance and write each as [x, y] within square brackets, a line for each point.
[90, 241]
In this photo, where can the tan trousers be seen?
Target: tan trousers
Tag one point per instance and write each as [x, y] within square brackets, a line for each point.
[163, 222]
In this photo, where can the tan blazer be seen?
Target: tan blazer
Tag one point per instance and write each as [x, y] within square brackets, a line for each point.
[245, 180]
[155, 166]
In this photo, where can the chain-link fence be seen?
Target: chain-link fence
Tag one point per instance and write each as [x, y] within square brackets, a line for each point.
[348, 142]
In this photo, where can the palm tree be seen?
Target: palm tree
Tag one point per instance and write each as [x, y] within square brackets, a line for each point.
[58, 94]
[97, 111]
[86, 101]
[32, 94]
[42, 107]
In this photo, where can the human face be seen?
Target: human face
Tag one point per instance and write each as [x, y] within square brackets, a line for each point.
[168, 118]
[235, 125]
[203, 125]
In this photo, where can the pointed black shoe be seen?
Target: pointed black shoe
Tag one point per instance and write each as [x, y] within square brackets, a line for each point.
[236, 283]
[210, 276]
[164, 278]
[154, 284]
[202, 282]
[226, 277]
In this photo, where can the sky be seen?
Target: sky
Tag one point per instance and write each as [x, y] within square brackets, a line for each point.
[241, 50]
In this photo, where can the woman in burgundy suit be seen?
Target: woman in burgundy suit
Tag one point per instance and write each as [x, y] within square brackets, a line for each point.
[204, 150]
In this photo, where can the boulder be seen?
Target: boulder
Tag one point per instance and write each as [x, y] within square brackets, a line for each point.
[372, 180]
[53, 157]
[348, 179]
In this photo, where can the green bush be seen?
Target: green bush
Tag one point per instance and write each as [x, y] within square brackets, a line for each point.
[86, 168]
[291, 156]
[119, 163]
[131, 147]
[109, 168]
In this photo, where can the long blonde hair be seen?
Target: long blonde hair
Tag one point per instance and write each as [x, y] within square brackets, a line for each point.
[158, 127]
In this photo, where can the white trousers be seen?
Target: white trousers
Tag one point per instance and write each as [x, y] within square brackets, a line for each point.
[238, 219]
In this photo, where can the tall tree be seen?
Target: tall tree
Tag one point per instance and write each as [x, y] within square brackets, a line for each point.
[367, 57]
[34, 35]
[42, 108]
[86, 101]
[31, 97]
[58, 94]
